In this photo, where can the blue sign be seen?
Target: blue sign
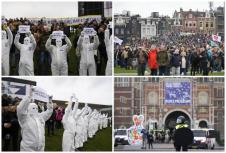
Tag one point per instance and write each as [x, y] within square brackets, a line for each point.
[178, 93]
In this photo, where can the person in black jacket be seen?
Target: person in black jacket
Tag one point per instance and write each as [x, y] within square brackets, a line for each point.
[183, 136]
[150, 139]
[203, 61]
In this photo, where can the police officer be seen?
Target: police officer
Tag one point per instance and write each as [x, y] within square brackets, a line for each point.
[183, 136]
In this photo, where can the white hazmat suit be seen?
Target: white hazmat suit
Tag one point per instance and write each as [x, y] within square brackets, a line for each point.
[70, 121]
[26, 66]
[87, 62]
[108, 44]
[32, 125]
[59, 65]
[6, 45]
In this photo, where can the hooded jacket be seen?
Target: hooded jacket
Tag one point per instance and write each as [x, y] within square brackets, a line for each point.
[152, 59]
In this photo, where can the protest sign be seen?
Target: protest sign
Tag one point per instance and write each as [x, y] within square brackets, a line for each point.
[40, 94]
[89, 31]
[24, 28]
[117, 40]
[216, 38]
[57, 34]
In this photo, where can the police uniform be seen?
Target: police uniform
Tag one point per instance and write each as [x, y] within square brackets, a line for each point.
[183, 137]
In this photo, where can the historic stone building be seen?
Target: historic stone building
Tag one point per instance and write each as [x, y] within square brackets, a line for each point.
[200, 100]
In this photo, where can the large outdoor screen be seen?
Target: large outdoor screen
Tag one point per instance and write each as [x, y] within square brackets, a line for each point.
[178, 93]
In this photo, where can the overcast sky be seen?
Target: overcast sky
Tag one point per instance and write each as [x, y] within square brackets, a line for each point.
[96, 90]
[39, 9]
[164, 7]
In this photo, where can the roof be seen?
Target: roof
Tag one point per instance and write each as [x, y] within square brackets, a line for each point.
[18, 80]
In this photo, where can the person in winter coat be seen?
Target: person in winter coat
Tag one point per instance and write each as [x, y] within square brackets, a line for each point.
[183, 63]
[162, 60]
[203, 61]
[142, 61]
[152, 61]
[176, 62]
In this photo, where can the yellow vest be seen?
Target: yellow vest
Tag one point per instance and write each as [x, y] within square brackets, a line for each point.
[179, 126]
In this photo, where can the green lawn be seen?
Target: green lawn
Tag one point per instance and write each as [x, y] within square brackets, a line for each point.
[125, 72]
[102, 141]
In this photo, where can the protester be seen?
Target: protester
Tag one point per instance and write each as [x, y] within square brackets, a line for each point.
[142, 58]
[26, 66]
[150, 140]
[87, 62]
[58, 52]
[7, 40]
[32, 124]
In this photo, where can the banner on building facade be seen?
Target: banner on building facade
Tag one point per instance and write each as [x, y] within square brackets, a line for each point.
[135, 131]
[178, 93]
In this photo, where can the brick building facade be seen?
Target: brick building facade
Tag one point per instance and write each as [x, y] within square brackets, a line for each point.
[147, 96]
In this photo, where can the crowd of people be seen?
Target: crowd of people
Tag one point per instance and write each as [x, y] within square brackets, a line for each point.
[35, 52]
[31, 119]
[171, 54]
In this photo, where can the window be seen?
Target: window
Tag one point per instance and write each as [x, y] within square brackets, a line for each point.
[200, 24]
[207, 24]
[116, 31]
[190, 24]
[190, 16]
[211, 24]
[122, 111]
[186, 24]
[122, 99]
[194, 24]
[122, 31]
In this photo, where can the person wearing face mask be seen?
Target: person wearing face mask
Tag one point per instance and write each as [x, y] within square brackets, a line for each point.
[6, 45]
[26, 66]
[87, 61]
[32, 124]
[59, 65]
[108, 43]
[70, 118]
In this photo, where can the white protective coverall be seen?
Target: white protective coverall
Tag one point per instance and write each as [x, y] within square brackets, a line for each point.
[108, 44]
[80, 126]
[59, 65]
[26, 66]
[32, 124]
[6, 45]
[87, 51]
[70, 119]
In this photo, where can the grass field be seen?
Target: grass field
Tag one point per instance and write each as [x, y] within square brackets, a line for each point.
[102, 141]
[124, 72]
